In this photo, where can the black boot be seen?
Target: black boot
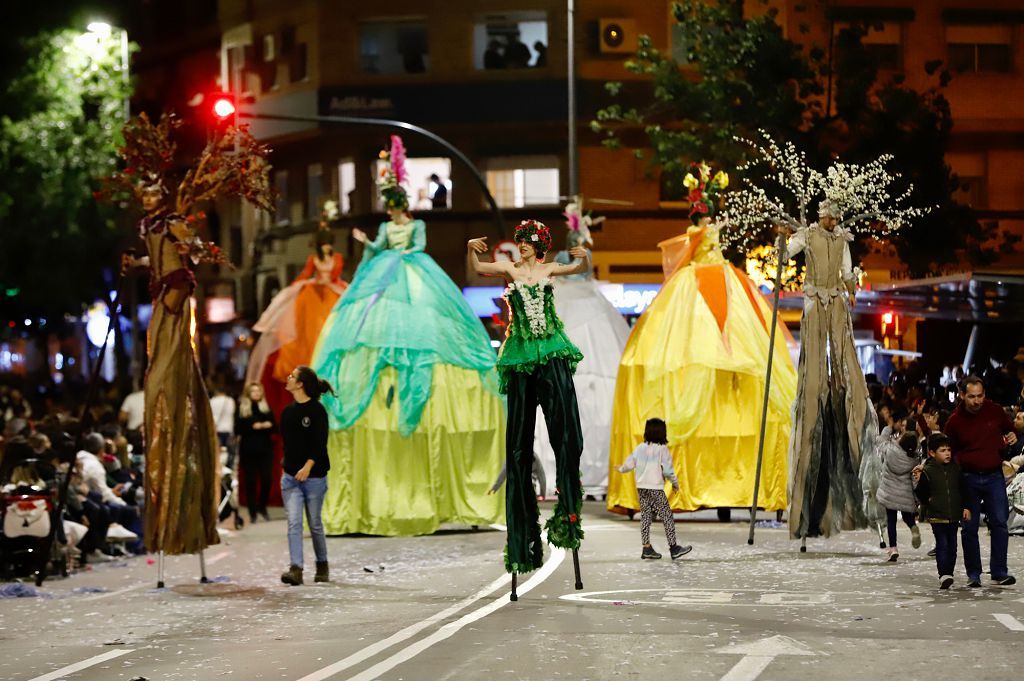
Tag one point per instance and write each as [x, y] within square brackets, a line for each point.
[292, 576]
[321, 572]
[649, 553]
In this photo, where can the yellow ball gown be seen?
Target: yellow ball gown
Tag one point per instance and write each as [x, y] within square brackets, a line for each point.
[697, 359]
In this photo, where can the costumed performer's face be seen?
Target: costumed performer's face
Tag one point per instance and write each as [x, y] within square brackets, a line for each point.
[325, 250]
[152, 199]
[395, 213]
[527, 250]
[827, 222]
[704, 221]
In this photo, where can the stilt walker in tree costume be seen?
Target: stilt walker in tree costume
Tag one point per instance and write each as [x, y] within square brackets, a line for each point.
[182, 467]
[834, 422]
[535, 368]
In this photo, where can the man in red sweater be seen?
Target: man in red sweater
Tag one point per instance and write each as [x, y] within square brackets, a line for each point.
[979, 431]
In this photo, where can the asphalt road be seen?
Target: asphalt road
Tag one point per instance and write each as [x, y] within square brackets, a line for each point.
[437, 607]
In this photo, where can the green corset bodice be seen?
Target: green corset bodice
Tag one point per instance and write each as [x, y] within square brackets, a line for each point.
[535, 333]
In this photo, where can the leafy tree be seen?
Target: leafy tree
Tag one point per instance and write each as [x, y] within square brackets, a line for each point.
[60, 134]
[743, 74]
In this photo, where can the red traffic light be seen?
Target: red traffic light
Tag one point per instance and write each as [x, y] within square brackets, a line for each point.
[224, 107]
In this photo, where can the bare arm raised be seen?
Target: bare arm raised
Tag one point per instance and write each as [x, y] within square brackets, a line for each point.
[477, 246]
[579, 265]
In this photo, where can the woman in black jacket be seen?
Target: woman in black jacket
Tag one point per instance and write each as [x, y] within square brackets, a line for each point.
[255, 423]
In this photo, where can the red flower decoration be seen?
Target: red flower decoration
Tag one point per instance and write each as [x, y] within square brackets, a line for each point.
[572, 517]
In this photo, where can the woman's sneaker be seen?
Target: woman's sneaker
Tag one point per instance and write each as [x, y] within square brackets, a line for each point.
[649, 554]
[893, 554]
[945, 581]
[915, 537]
[678, 551]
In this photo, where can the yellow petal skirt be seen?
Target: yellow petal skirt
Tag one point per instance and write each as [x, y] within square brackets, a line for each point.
[383, 484]
[697, 359]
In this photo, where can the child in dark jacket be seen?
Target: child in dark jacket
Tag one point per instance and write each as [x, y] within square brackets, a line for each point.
[940, 488]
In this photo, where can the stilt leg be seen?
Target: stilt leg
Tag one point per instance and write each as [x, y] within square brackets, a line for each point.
[576, 567]
[803, 545]
[160, 570]
[514, 596]
[202, 568]
[881, 537]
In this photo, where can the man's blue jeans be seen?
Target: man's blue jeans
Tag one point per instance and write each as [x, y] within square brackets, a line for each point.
[308, 495]
[986, 490]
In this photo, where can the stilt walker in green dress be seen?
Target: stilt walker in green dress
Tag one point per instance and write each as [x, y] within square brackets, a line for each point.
[535, 368]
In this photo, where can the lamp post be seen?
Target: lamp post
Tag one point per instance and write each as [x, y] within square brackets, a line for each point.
[102, 31]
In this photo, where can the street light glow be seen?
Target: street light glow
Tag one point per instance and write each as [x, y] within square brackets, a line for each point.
[100, 28]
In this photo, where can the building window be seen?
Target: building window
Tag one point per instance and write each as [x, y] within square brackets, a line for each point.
[971, 192]
[267, 63]
[883, 41]
[281, 216]
[429, 185]
[314, 190]
[390, 47]
[517, 182]
[510, 40]
[346, 185]
[677, 38]
[980, 48]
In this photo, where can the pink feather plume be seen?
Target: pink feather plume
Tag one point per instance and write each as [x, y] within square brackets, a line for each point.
[398, 159]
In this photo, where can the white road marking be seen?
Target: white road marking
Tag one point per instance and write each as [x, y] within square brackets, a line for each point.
[450, 629]
[218, 557]
[84, 664]
[109, 594]
[404, 634]
[1009, 621]
[758, 655]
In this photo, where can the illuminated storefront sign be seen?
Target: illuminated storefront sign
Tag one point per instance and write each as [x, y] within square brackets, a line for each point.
[628, 299]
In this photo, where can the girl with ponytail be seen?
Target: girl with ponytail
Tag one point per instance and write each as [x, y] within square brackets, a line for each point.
[304, 483]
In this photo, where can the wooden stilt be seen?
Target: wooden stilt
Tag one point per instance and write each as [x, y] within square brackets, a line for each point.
[160, 570]
[803, 545]
[514, 596]
[576, 568]
[202, 568]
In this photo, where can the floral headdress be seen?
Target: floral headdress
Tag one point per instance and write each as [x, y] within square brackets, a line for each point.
[393, 175]
[705, 192]
[579, 224]
[830, 208]
[536, 234]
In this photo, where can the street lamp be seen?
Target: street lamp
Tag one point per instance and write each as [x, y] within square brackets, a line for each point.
[103, 30]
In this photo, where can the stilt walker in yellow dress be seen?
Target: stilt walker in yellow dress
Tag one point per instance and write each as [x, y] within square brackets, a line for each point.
[182, 467]
[696, 358]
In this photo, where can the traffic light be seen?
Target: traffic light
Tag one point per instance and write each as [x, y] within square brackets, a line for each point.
[891, 328]
[224, 109]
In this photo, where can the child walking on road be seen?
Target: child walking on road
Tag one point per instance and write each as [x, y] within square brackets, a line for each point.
[653, 464]
[940, 487]
[896, 488]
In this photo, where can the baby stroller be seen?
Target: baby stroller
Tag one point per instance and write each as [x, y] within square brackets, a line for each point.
[31, 541]
[1015, 495]
[228, 491]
